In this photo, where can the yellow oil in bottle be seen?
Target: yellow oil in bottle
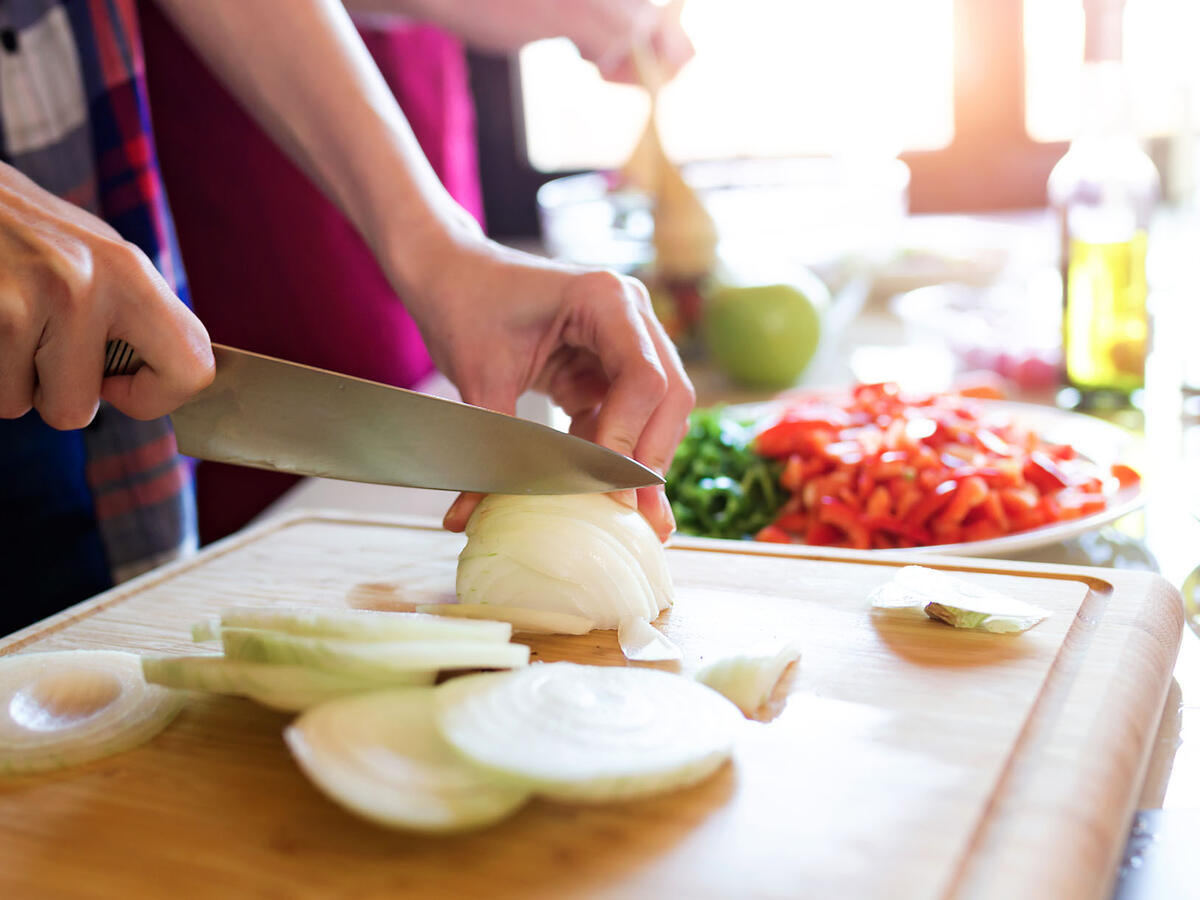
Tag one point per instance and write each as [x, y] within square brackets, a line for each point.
[1105, 323]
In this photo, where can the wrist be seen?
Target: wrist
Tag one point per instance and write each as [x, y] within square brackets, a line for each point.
[416, 249]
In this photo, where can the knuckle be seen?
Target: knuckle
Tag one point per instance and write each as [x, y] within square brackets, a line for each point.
[126, 265]
[604, 282]
[687, 394]
[16, 322]
[652, 381]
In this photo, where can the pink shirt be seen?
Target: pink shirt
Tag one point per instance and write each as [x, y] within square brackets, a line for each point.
[274, 267]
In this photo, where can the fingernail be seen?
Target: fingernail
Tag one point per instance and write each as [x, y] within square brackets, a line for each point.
[452, 520]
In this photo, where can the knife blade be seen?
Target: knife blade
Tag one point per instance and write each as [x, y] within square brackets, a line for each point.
[268, 413]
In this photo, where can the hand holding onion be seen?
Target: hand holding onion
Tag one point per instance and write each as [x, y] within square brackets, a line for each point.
[499, 323]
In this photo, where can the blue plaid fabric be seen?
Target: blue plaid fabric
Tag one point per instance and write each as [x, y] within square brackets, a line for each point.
[82, 510]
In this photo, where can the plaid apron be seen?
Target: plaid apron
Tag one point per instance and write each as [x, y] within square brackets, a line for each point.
[82, 510]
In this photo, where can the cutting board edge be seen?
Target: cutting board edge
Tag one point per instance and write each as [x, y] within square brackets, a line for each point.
[1149, 637]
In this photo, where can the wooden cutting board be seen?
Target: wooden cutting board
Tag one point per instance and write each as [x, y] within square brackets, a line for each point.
[908, 759]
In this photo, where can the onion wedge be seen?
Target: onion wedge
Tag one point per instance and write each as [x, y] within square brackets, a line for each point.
[65, 707]
[380, 756]
[288, 688]
[534, 621]
[589, 733]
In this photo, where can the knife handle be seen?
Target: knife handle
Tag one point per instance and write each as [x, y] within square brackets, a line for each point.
[120, 359]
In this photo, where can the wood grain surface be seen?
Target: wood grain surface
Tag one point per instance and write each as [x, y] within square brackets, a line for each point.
[903, 758]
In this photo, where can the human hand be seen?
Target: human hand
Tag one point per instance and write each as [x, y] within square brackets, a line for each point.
[604, 31]
[69, 282]
[498, 322]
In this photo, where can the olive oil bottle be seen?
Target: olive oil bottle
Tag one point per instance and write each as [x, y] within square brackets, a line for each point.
[1103, 192]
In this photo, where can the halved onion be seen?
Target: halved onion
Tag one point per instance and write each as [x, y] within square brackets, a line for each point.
[536, 621]
[589, 733]
[380, 756]
[65, 707]
[586, 555]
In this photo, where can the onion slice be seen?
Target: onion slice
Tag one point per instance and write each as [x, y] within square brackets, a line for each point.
[642, 642]
[361, 624]
[748, 678]
[380, 756]
[65, 707]
[589, 733]
[536, 621]
[288, 688]
[370, 659]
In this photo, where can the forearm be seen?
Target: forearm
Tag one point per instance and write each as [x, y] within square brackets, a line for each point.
[301, 71]
[476, 22]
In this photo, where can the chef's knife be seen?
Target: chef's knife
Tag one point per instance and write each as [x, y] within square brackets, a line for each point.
[271, 414]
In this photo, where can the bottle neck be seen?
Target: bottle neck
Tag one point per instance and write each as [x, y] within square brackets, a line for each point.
[1104, 101]
[1104, 29]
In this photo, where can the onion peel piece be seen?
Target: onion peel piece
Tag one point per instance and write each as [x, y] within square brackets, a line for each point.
[642, 642]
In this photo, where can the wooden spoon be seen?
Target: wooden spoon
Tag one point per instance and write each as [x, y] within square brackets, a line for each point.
[685, 236]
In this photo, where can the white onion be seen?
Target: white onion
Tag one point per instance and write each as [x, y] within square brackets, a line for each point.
[589, 733]
[380, 756]
[65, 707]
[586, 555]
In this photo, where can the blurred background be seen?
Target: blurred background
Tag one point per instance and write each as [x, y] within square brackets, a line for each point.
[886, 146]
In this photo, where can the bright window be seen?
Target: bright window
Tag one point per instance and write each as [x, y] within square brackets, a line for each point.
[1161, 64]
[770, 78]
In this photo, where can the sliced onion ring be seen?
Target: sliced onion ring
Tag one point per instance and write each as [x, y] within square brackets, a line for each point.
[589, 733]
[65, 707]
[380, 756]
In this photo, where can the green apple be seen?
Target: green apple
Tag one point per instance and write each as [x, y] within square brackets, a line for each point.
[764, 333]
